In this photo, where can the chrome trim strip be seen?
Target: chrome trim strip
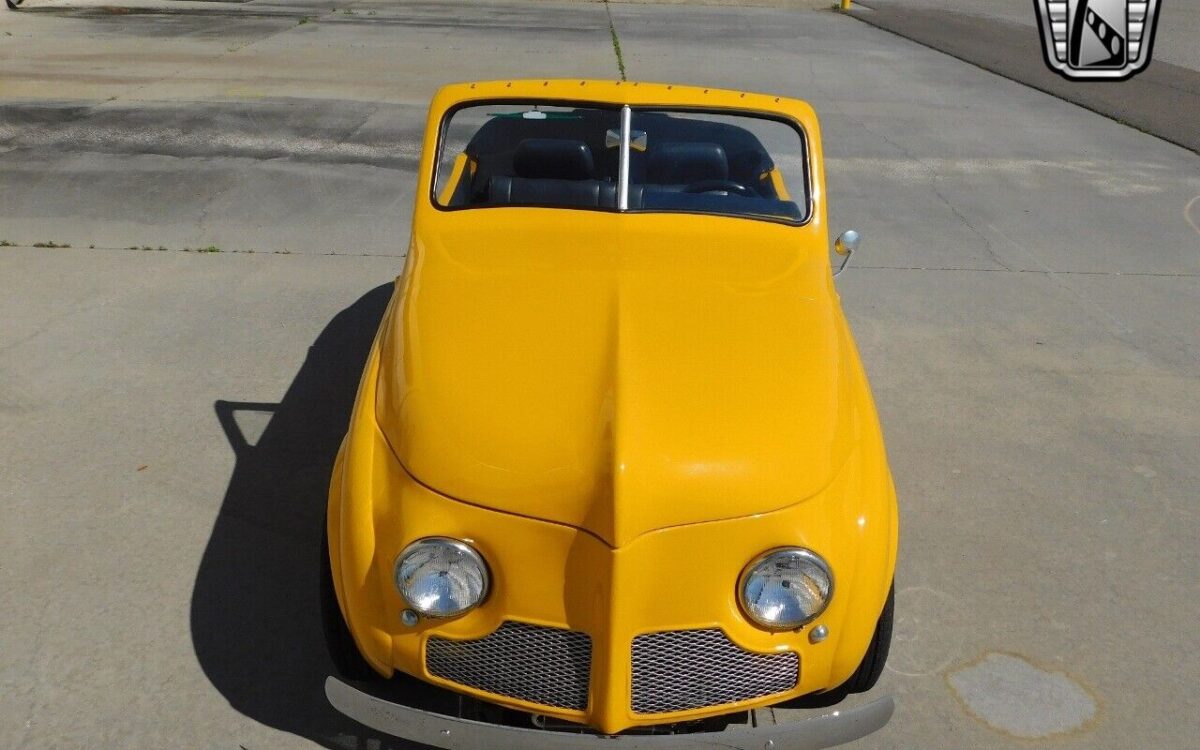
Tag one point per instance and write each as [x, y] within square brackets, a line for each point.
[623, 164]
[813, 196]
[452, 733]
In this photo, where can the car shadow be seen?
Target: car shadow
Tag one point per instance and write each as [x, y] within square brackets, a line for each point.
[255, 613]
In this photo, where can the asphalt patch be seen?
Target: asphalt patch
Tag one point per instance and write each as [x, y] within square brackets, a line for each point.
[380, 135]
[1163, 100]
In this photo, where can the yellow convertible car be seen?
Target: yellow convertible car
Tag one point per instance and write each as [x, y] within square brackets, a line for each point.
[614, 465]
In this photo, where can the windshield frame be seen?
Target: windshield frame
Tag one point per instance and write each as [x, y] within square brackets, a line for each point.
[625, 114]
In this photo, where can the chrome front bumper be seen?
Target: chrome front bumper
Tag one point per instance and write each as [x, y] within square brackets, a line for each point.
[438, 730]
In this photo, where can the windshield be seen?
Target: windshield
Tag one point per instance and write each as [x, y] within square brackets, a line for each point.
[622, 159]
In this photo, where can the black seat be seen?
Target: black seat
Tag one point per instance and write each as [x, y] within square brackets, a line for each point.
[548, 192]
[711, 203]
[553, 159]
[677, 163]
[552, 172]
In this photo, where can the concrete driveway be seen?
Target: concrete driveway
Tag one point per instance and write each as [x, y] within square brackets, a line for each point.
[1026, 300]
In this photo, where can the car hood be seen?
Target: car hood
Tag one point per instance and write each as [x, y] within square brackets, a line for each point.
[617, 373]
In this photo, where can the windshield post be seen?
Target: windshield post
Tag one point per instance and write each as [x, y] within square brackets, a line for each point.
[623, 164]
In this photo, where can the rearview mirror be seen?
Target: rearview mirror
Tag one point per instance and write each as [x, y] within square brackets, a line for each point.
[845, 246]
[637, 139]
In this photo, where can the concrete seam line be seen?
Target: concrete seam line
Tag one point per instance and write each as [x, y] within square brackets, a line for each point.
[616, 42]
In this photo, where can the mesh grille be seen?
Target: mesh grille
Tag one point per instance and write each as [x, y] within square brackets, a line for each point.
[686, 669]
[542, 665]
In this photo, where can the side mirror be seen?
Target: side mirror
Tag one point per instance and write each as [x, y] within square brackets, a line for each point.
[845, 246]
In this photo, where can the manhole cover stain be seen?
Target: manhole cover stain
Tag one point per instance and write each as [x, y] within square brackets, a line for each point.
[1015, 697]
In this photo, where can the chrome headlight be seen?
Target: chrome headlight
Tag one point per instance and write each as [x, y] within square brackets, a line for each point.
[441, 577]
[785, 588]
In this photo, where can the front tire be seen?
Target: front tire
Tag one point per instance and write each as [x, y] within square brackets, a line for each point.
[347, 660]
[869, 671]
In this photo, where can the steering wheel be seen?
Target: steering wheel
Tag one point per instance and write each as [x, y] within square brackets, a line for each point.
[728, 186]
